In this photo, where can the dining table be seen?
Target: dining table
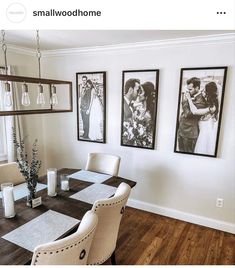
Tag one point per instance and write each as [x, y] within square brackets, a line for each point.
[13, 254]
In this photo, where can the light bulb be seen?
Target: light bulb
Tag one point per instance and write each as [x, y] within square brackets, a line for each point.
[8, 96]
[40, 98]
[25, 100]
[54, 98]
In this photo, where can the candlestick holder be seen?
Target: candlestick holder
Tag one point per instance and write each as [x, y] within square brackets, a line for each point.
[64, 182]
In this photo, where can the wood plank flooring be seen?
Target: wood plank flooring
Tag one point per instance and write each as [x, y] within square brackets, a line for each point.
[147, 238]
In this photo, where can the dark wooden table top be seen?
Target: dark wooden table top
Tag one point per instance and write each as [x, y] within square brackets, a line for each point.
[14, 254]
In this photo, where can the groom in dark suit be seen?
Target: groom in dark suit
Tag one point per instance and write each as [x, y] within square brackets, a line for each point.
[188, 130]
[131, 90]
[85, 90]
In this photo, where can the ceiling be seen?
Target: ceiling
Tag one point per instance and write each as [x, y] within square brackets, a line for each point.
[64, 39]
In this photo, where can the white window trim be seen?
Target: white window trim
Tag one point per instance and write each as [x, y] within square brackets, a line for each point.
[3, 151]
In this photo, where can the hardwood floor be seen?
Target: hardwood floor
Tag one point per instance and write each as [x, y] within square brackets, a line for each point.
[147, 238]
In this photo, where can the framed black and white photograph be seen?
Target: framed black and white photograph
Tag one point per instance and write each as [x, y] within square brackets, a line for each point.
[200, 105]
[91, 110]
[139, 108]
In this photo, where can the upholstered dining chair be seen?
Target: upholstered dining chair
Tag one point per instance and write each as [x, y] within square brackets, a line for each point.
[10, 173]
[71, 250]
[109, 212]
[103, 163]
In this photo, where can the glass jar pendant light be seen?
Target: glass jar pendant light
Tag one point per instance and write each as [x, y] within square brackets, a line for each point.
[25, 100]
[40, 98]
[8, 102]
[10, 92]
[54, 98]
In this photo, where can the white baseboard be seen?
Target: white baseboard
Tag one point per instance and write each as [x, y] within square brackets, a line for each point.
[176, 214]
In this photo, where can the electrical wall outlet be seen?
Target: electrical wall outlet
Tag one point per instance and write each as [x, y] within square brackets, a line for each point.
[219, 202]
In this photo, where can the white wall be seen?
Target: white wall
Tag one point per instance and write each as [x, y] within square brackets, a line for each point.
[181, 182]
[169, 183]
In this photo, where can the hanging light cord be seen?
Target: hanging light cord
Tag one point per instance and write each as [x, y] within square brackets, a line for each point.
[4, 48]
[38, 53]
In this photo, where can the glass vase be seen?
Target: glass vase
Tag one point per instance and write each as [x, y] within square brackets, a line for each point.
[31, 195]
[31, 185]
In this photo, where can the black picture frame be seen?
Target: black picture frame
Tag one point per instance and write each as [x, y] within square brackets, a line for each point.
[94, 100]
[138, 117]
[197, 132]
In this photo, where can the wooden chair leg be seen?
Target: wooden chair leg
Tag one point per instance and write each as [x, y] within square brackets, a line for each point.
[113, 259]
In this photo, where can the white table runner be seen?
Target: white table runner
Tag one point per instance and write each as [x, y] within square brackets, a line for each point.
[94, 192]
[90, 176]
[21, 190]
[45, 228]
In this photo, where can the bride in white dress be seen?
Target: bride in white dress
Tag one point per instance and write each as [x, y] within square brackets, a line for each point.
[96, 115]
[208, 123]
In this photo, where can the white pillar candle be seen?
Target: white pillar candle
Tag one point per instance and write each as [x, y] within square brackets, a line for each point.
[8, 199]
[51, 182]
[64, 185]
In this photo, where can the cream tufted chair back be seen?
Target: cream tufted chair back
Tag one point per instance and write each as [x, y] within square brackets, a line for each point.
[71, 250]
[103, 163]
[10, 173]
[109, 213]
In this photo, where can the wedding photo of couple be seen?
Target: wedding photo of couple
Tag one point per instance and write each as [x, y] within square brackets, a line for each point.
[139, 108]
[91, 106]
[198, 121]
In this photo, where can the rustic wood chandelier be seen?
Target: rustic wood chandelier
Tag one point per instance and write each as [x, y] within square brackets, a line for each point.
[52, 101]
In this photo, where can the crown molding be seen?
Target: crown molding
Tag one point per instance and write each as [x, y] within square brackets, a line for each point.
[190, 41]
[199, 40]
[21, 50]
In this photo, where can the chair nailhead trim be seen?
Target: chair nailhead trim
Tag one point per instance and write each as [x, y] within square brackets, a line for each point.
[57, 251]
[110, 204]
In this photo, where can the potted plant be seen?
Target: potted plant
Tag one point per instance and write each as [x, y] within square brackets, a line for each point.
[29, 169]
